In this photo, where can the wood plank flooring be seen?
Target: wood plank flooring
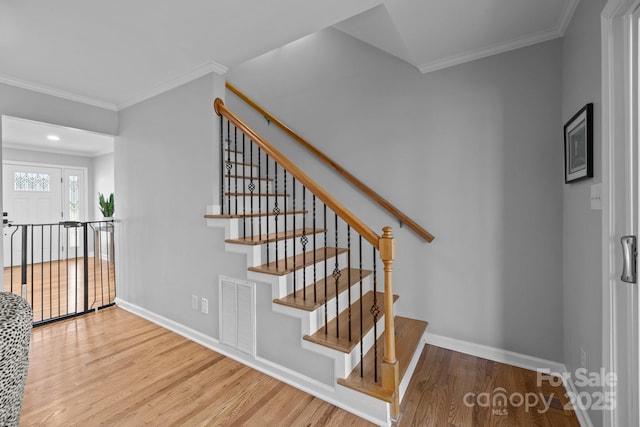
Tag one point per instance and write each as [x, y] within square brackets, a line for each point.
[58, 286]
[113, 368]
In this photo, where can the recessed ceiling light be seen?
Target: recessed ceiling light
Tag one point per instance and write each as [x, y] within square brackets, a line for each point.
[53, 137]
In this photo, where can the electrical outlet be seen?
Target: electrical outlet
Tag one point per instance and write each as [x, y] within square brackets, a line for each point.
[204, 307]
[583, 358]
[194, 302]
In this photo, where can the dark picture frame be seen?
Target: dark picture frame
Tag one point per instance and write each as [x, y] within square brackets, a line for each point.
[578, 145]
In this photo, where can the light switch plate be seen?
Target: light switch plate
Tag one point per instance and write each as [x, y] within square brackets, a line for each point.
[596, 197]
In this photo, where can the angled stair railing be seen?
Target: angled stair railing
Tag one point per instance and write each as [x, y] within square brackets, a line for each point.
[327, 255]
[384, 203]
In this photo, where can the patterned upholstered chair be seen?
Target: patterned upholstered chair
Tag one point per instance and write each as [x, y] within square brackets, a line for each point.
[16, 318]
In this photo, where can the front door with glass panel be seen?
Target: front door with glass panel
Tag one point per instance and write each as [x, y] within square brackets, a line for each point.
[31, 195]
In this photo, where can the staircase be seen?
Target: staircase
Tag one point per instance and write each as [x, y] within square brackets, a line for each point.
[325, 268]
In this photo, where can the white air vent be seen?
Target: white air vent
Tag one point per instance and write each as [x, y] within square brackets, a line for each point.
[238, 314]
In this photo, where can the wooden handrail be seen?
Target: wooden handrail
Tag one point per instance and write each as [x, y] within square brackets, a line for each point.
[302, 177]
[402, 217]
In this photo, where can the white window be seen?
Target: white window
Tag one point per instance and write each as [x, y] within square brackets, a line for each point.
[28, 181]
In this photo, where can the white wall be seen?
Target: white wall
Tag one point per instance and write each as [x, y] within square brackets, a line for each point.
[582, 227]
[103, 181]
[472, 152]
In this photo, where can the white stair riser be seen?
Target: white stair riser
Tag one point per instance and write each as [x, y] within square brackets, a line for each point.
[260, 223]
[284, 248]
[305, 276]
[242, 185]
[260, 203]
[238, 169]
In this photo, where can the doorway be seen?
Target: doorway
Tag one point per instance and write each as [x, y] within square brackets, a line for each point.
[42, 194]
[621, 207]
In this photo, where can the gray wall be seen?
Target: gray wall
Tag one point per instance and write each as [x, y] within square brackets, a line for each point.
[473, 153]
[103, 181]
[582, 227]
[164, 180]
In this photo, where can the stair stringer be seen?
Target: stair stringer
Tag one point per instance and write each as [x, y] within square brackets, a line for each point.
[363, 405]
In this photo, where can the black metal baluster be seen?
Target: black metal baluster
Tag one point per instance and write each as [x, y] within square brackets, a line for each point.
[244, 198]
[293, 208]
[229, 166]
[286, 254]
[276, 210]
[222, 165]
[336, 276]
[266, 201]
[375, 311]
[315, 292]
[235, 155]
[260, 218]
[326, 302]
[252, 187]
[304, 242]
[349, 278]
[361, 311]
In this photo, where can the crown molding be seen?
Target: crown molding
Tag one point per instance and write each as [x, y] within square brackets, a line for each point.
[23, 84]
[570, 7]
[209, 67]
[492, 50]
[568, 10]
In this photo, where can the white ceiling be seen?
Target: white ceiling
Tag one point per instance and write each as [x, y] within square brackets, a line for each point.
[116, 53]
[30, 135]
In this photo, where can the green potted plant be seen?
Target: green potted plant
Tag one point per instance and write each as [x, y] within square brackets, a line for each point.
[106, 205]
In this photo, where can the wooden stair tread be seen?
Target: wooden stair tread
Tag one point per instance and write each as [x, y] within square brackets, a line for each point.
[257, 194]
[256, 178]
[282, 267]
[274, 237]
[329, 339]
[233, 151]
[408, 334]
[251, 215]
[297, 299]
[241, 163]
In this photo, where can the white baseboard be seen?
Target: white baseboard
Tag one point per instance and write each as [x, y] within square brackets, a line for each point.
[267, 367]
[510, 358]
[492, 353]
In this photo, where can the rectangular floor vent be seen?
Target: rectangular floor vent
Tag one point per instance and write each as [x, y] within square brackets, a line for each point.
[238, 314]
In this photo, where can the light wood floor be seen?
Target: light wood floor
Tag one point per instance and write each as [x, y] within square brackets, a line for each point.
[58, 286]
[115, 369]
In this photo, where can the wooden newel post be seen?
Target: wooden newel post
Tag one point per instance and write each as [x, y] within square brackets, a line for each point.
[390, 369]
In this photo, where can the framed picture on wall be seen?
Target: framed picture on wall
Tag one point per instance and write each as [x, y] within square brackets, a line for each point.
[578, 145]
